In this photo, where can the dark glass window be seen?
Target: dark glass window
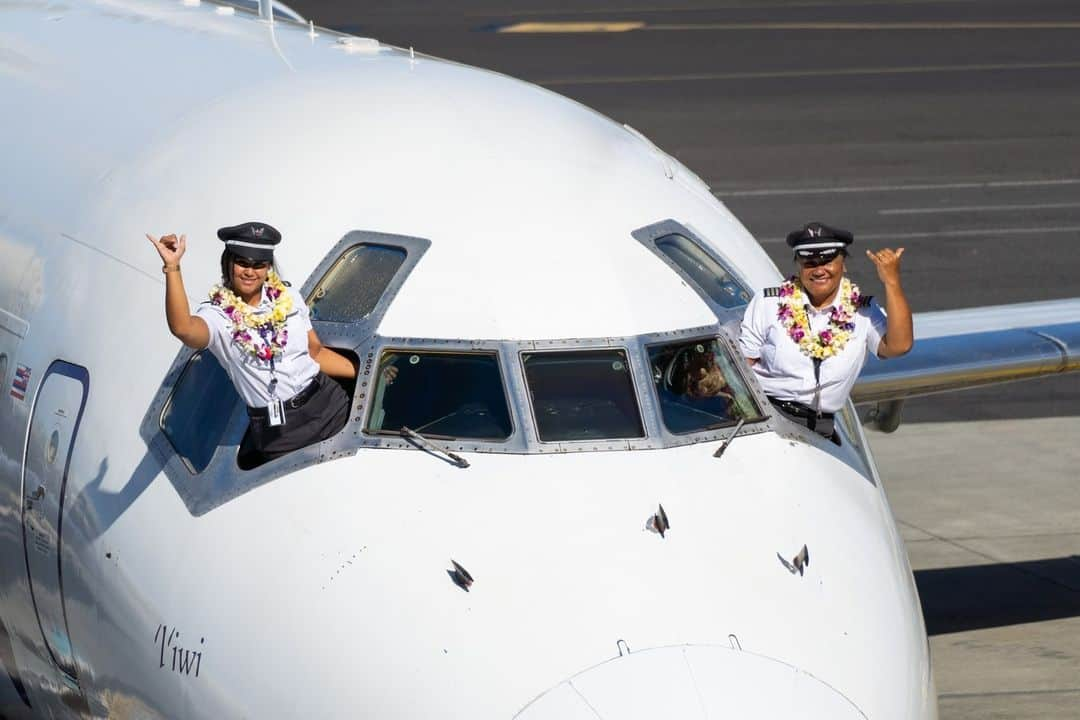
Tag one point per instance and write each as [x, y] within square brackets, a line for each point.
[196, 414]
[699, 387]
[351, 289]
[710, 276]
[582, 395]
[441, 395]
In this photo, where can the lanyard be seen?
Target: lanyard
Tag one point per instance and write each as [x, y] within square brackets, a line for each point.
[817, 384]
[266, 335]
[817, 373]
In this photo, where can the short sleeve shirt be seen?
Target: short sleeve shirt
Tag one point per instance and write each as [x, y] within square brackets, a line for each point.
[786, 373]
[251, 376]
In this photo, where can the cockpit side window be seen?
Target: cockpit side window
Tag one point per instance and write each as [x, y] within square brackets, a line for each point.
[699, 387]
[701, 267]
[582, 395]
[353, 287]
[355, 283]
[452, 395]
[707, 274]
[198, 410]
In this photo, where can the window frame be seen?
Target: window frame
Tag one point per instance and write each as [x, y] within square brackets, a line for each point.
[740, 366]
[650, 234]
[455, 442]
[222, 479]
[354, 334]
[593, 443]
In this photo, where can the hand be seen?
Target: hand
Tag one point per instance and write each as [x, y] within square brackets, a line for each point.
[169, 248]
[887, 262]
[389, 374]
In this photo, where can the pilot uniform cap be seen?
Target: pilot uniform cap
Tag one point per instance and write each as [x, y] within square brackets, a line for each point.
[818, 239]
[253, 240]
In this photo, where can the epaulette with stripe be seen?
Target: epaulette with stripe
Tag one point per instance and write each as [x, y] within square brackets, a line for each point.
[771, 292]
[864, 300]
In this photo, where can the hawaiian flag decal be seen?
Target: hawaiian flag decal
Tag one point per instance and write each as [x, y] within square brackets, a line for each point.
[19, 384]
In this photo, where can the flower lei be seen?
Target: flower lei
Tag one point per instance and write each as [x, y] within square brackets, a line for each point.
[831, 340]
[268, 326]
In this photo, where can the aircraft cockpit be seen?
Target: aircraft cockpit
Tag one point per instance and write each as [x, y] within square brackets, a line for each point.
[651, 391]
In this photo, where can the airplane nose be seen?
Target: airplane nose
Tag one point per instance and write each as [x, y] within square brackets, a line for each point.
[692, 682]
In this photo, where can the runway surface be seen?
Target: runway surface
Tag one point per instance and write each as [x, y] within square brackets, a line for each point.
[949, 128]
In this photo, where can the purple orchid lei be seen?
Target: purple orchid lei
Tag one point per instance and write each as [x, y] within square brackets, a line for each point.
[269, 327]
[793, 316]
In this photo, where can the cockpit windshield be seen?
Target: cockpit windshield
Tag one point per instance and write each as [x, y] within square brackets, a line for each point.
[454, 395]
[699, 387]
[582, 395]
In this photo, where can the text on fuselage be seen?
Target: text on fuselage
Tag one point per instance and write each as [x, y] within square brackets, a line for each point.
[183, 662]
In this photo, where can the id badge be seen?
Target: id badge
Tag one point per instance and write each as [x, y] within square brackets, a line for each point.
[276, 413]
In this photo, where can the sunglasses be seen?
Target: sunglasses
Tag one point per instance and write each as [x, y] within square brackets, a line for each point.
[815, 260]
[249, 263]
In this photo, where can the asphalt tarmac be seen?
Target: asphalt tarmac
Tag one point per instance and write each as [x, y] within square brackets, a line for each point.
[949, 128]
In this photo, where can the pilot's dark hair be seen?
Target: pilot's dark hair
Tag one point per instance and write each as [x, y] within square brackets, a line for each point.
[227, 264]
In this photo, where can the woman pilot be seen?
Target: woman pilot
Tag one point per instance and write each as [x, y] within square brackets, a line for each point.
[807, 339]
[259, 330]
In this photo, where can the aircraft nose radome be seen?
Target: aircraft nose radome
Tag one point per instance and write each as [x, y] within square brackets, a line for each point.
[691, 682]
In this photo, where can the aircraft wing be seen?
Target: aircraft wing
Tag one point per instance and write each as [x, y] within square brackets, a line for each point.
[960, 349]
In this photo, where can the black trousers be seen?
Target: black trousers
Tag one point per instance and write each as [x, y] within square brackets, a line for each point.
[821, 423]
[322, 416]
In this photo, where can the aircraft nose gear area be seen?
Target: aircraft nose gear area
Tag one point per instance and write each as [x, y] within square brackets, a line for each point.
[692, 682]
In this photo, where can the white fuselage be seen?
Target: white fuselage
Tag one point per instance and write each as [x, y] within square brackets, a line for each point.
[325, 592]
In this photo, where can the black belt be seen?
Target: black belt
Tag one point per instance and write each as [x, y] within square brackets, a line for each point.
[799, 410]
[296, 401]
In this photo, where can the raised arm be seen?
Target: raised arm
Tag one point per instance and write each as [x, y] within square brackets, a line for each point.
[190, 330]
[899, 335]
[330, 362]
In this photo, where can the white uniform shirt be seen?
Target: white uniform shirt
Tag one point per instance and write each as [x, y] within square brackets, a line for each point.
[294, 370]
[786, 373]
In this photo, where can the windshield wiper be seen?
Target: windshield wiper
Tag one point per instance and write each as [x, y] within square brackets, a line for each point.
[727, 441]
[432, 447]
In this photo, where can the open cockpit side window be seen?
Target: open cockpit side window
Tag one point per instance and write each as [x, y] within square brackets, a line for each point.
[196, 424]
[198, 410]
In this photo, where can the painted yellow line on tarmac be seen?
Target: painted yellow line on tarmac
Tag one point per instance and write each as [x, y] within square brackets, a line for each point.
[571, 27]
[630, 25]
[959, 25]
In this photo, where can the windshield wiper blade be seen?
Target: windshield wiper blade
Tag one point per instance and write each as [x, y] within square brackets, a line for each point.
[727, 441]
[432, 447]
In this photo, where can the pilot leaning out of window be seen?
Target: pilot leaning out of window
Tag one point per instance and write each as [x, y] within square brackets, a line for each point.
[259, 330]
[807, 339]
